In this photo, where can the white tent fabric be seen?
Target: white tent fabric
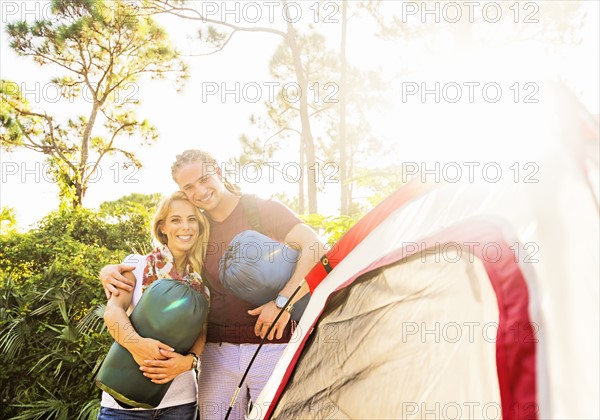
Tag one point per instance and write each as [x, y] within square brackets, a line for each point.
[425, 341]
[552, 228]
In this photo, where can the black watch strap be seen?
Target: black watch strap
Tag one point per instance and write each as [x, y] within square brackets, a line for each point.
[195, 362]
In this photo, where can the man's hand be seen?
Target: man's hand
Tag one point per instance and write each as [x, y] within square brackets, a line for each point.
[266, 315]
[113, 280]
[163, 371]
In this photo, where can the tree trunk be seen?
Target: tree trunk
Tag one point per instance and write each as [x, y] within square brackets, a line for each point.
[79, 194]
[307, 137]
[301, 204]
[344, 202]
[350, 186]
[463, 36]
[81, 180]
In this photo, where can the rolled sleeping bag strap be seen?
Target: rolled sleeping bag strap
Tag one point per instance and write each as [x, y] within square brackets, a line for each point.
[169, 311]
[255, 268]
[326, 264]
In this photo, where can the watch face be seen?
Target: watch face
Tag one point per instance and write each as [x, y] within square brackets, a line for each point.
[281, 301]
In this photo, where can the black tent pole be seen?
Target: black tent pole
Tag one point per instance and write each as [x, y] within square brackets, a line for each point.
[302, 283]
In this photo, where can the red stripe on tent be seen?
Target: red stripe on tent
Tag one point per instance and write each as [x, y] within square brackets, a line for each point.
[362, 228]
[515, 341]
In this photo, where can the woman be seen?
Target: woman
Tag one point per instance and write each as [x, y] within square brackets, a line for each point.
[182, 231]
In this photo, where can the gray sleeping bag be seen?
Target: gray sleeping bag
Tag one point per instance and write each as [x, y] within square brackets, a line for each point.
[255, 268]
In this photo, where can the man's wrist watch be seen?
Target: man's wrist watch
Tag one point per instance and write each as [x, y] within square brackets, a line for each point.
[281, 301]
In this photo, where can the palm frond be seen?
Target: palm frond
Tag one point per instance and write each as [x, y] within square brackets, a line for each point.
[69, 334]
[13, 338]
[90, 410]
[98, 364]
[93, 320]
[50, 408]
[41, 364]
[44, 309]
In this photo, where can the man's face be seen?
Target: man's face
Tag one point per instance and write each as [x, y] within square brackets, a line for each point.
[201, 185]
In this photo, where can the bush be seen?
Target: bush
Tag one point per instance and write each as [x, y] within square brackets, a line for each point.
[331, 228]
[52, 336]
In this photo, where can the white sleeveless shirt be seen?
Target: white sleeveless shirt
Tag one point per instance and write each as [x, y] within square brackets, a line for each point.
[184, 388]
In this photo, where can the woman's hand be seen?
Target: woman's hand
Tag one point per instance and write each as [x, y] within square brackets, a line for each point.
[166, 369]
[145, 349]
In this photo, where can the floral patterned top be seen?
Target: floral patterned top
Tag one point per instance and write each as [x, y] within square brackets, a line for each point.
[160, 265]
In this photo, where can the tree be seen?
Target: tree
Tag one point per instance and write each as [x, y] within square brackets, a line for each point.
[7, 220]
[304, 117]
[363, 93]
[133, 215]
[104, 47]
[218, 35]
[345, 198]
[283, 115]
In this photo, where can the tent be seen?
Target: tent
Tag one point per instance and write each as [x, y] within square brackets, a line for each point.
[460, 299]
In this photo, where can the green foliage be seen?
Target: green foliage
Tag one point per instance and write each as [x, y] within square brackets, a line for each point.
[331, 228]
[122, 208]
[133, 214]
[10, 95]
[380, 183]
[292, 202]
[52, 335]
[8, 220]
[104, 47]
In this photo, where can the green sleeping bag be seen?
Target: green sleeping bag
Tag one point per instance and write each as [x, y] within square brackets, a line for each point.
[169, 311]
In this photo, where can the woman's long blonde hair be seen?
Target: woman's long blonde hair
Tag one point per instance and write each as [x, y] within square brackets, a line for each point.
[198, 252]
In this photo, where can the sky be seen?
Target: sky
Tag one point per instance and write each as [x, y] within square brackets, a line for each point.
[201, 117]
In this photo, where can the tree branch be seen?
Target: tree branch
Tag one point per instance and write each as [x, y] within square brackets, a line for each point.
[176, 11]
[51, 60]
[110, 147]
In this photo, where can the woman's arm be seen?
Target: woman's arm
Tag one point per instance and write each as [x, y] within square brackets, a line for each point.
[121, 329]
[163, 371]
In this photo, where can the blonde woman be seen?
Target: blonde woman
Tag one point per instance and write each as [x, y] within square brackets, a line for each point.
[182, 232]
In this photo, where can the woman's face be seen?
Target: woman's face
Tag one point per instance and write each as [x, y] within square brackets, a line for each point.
[181, 226]
[201, 185]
